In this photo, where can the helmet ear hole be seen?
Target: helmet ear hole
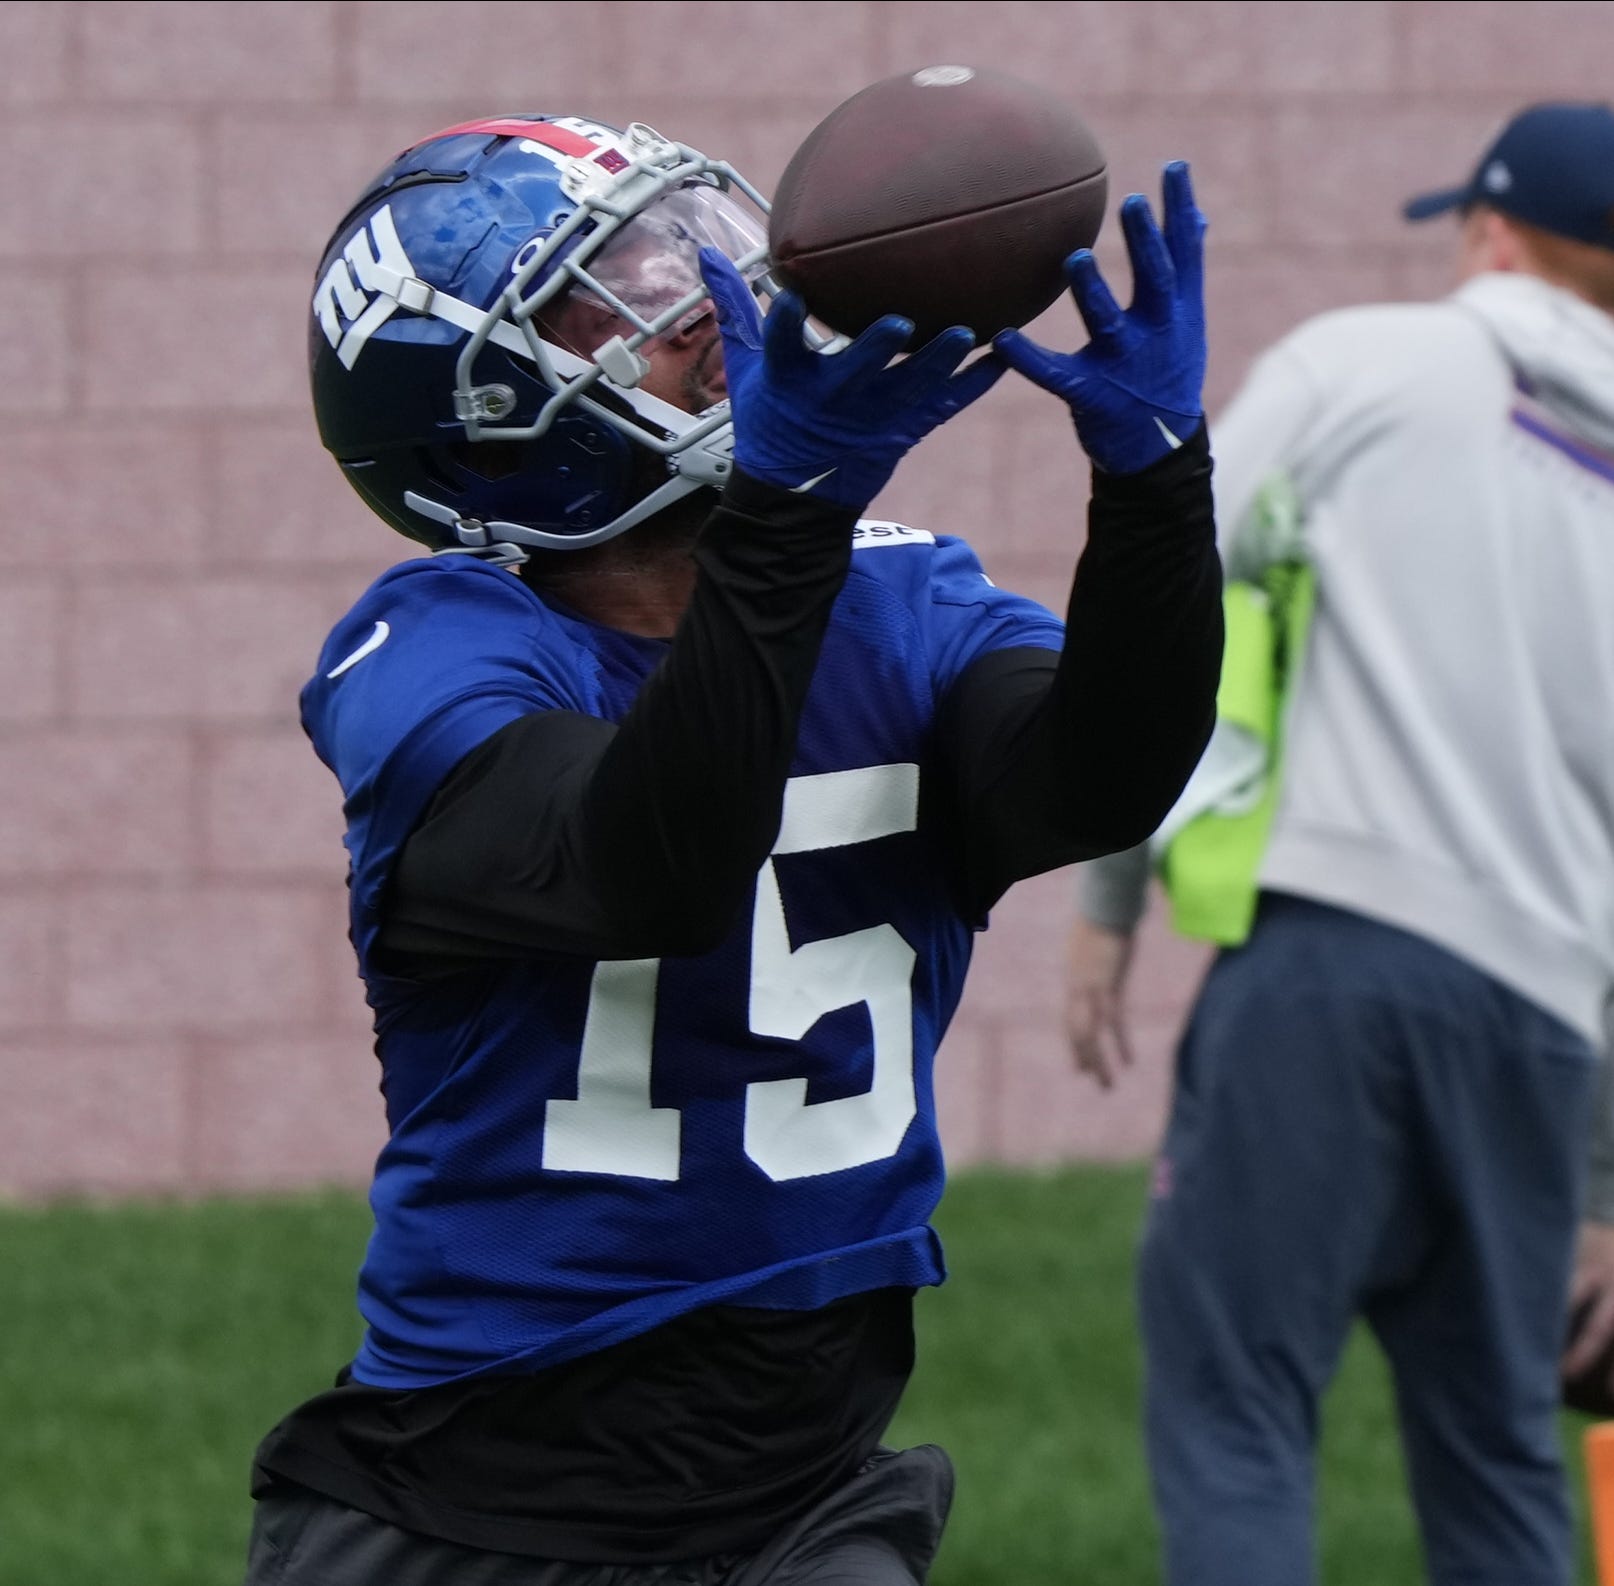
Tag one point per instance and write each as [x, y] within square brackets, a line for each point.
[491, 460]
[431, 467]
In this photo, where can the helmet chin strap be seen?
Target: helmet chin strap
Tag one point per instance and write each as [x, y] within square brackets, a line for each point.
[497, 534]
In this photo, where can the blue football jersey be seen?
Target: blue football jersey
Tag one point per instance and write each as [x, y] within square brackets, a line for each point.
[582, 1150]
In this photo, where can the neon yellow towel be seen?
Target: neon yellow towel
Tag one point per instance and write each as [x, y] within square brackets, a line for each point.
[1209, 851]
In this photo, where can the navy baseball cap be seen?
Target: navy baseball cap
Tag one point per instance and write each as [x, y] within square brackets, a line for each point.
[1552, 166]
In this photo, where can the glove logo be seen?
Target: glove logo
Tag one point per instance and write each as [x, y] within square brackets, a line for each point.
[361, 286]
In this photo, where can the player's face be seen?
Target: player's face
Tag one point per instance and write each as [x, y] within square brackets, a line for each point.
[686, 363]
[653, 263]
[686, 367]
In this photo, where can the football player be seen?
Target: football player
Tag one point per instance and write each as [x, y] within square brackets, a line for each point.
[674, 794]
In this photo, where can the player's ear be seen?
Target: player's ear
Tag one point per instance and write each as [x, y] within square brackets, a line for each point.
[694, 325]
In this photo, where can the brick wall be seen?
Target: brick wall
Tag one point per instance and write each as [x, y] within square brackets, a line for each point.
[177, 1005]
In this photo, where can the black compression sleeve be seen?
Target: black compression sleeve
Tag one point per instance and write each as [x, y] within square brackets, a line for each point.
[563, 833]
[1054, 758]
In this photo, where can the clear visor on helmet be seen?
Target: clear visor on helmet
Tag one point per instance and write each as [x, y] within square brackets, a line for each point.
[631, 246]
[653, 262]
[631, 250]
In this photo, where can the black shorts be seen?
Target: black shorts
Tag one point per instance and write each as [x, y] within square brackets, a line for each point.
[881, 1528]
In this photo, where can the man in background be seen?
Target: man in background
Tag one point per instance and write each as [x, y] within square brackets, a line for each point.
[1383, 1092]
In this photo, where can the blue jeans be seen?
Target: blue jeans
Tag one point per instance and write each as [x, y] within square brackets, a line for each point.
[1363, 1125]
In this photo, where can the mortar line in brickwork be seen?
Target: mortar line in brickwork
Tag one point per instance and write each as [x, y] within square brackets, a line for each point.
[191, 1088]
[54, 931]
[73, 50]
[877, 37]
[1400, 44]
[345, 54]
[78, 278]
[204, 126]
[201, 742]
[54, 586]
[37, 589]
[208, 461]
[66, 655]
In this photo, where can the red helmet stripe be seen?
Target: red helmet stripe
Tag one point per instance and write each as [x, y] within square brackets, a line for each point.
[561, 139]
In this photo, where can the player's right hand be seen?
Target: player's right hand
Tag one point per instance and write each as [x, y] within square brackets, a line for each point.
[833, 425]
[1095, 1015]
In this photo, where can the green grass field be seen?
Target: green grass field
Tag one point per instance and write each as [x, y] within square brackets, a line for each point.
[144, 1348]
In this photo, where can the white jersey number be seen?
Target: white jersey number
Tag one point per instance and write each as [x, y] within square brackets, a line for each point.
[612, 1127]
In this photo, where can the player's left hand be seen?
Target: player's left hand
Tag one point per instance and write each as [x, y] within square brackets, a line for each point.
[835, 424]
[1136, 389]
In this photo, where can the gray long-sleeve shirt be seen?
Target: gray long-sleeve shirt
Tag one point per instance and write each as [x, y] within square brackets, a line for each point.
[1449, 754]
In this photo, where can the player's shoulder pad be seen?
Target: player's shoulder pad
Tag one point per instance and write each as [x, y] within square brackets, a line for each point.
[431, 631]
[431, 601]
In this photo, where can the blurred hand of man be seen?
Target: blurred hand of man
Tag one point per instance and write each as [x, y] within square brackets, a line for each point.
[1591, 1307]
[1095, 1018]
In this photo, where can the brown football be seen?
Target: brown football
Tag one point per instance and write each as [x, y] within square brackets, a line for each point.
[951, 195]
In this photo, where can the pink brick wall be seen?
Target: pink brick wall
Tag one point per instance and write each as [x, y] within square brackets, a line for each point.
[177, 1008]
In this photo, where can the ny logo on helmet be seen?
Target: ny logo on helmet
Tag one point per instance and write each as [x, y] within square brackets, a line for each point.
[384, 281]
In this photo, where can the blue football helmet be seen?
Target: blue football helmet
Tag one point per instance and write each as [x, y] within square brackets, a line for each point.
[427, 336]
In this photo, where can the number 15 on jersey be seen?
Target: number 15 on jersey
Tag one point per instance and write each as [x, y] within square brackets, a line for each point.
[612, 1127]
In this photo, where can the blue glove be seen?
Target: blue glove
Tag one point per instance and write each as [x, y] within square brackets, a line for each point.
[1135, 390]
[833, 425]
